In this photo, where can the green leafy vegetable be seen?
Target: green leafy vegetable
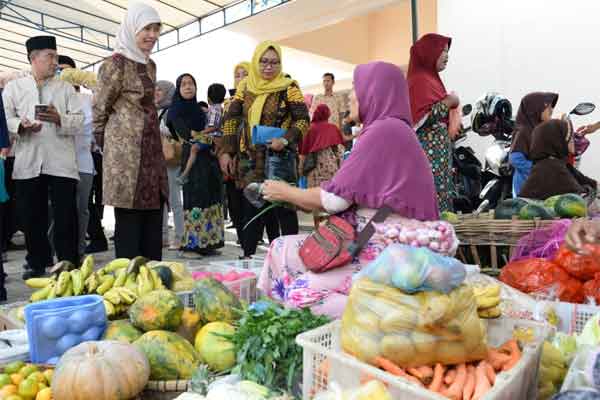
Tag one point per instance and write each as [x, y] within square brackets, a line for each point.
[266, 348]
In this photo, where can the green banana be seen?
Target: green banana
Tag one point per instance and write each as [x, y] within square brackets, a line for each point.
[106, 284]
[92, 283]
[121, 278]
[131, 282]
[87, 267]
[101, 272]
[136, 263]
[113, 296]
[41, 294]
[116, 265]
[156, 281]
[61, 284]
[110, 309]
[77, 279]
[69, 290]
[38, 283]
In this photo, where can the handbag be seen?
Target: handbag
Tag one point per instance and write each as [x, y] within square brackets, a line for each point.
[335, 243]
[310, 163]
[168, 149]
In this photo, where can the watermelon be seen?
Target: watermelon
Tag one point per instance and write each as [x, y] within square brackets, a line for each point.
[571, 206]
[157, 310]
[533, 211]
[165, 274]
[550, 202]
[215, 350]
[121, 330]
[509, 208]
[214, 301]
[170, 356]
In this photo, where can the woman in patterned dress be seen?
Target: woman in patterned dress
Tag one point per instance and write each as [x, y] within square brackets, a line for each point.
[266, 97]
[204, 230]
[431, 105]
[126, 126]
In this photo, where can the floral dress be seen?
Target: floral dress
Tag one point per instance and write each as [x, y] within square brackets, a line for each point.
[328, 163]
[435, 140]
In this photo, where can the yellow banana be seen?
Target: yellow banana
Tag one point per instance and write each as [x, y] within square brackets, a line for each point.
[487, 302]
[489, 313]
[156, 281]
[121, 278]
[487, 291]
[92, 283]
[38, 283]
[136, 263]
[87, 267]
[116, 265]
[113, 296]
[127, 295]
[110, 309]
[106, 284]
[76, 279]
[69, 290]
[61, 284]
[52, 294]
[41, 294]
[146, 282]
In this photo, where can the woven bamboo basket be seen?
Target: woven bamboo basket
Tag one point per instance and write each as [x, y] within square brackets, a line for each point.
[164, 390]
[490, 242]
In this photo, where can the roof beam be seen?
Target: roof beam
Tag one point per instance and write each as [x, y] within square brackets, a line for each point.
[83, 12]
[13, 59]
[9, 66]
[16, 15]
[125, 9]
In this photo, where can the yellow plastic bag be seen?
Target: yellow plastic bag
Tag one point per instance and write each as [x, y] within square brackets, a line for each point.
[412, 330]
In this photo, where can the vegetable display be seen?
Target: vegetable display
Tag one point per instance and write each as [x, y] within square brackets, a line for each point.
[25, 381]
[437, 236]
[170, 356]
[213, 347]
[563, 206]
[122, 331]
[157, 310]
[412, 330]
[265, 345]
[214, 301]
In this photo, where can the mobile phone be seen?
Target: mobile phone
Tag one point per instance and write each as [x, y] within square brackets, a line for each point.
[40, 109]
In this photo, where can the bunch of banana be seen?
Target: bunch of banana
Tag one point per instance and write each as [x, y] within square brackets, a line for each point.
[120, 283]
[488, 301]
[553, 369]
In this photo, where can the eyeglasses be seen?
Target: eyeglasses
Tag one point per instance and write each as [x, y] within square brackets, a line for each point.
[272, 63]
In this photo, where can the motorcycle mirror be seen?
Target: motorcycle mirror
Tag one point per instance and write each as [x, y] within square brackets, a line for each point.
[466, 110]
[583, 109]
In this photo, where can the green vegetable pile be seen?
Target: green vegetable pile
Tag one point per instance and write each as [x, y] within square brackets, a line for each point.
[266, 348]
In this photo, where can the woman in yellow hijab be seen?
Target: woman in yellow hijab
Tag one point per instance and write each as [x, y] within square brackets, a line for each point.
[267, 98]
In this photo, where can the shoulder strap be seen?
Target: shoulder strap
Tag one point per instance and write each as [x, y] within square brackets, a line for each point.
[162, 113]
[363, 236]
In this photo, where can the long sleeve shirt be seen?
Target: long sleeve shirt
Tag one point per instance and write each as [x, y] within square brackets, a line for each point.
[51, 151]
[4, 135]
[83, 141]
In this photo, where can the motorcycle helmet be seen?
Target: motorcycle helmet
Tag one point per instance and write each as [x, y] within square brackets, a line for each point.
[493, 115]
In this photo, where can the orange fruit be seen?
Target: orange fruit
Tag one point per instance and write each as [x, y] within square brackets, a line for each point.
[8, 390]
[16, 378]
[27, 370]
[49, 373]
[44, 394]
[4, 380]
[28, 388]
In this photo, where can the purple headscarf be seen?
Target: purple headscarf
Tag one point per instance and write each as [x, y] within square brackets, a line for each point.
[387, 165]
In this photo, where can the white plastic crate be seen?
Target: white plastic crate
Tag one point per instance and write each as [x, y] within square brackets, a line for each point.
[254, 264]
[323, 344]
[244, 289]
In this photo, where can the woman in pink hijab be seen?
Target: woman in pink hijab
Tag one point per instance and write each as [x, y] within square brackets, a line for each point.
[387, 166]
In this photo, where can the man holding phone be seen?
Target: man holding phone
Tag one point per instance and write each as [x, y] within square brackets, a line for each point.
[45, 114]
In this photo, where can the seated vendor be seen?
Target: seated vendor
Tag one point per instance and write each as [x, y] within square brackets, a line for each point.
[552, 174]
[387, 167]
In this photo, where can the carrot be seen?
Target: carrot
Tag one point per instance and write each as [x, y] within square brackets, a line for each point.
[455, 391]
[489, 372]
[450, 376]
[469, 384]
[515, 354]
[482, 385]
[438, 377]
[416, 373]
[390, 366]
[497, 359]
[426, 371]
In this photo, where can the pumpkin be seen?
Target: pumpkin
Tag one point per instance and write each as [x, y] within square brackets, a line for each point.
[121, 330]
[104, 370]
[170, 356]
[213, 348]
[191, 322]
[214, 301]
[157, 310]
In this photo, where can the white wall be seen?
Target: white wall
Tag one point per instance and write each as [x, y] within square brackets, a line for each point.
[211, 58]
[520, 46]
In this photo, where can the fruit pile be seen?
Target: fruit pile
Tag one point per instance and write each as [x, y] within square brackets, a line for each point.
[120, 282]
[20, 381]
[563, 206]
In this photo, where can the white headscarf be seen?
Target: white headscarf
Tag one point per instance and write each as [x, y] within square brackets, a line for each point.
[139, 16]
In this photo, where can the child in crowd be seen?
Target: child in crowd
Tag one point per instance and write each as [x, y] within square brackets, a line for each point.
[203, 140]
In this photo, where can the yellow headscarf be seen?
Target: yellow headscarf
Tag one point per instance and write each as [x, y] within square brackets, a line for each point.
[245, 65]
[260, 87]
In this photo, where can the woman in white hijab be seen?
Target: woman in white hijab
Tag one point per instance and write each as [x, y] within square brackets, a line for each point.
[126, 125]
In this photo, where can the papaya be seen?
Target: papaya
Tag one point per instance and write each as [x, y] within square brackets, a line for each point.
[571, 206]
[533, 211]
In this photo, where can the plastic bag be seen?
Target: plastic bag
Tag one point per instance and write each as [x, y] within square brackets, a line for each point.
[542, 278]
[414, 269]
[543, 242]
[583, 267]
[412, 330]
[438, 236]
[591, 290]
[372, 390]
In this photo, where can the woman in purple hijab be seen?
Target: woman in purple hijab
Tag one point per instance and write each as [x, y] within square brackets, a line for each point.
[387, 166]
